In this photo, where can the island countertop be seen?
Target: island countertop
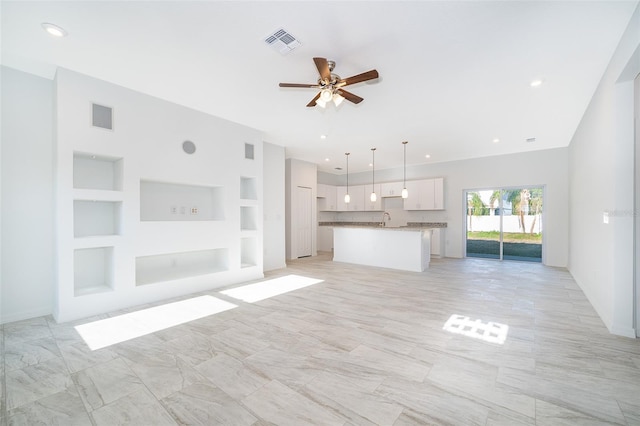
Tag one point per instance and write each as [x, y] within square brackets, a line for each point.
[410, 226]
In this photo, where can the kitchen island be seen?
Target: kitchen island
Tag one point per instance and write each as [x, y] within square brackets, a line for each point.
[404, 248]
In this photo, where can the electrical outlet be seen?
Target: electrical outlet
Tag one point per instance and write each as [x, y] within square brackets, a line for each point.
[174, 210]
[194, 210]
[183, 210]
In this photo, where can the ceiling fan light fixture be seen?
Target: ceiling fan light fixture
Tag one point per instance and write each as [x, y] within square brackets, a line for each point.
[326, 95]
[337, 99]
[321, 103]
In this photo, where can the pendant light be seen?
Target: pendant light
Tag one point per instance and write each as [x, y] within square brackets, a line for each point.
[373, 197]
[405, 193]
[347, 197]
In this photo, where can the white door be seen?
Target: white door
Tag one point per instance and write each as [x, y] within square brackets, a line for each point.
[303, 213]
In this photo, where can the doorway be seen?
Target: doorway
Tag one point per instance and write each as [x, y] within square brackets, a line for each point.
[504, 223]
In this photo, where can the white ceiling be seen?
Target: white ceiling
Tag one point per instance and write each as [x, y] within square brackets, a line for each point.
[453, 75]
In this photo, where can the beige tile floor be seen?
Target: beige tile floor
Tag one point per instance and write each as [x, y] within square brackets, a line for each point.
[365, 346]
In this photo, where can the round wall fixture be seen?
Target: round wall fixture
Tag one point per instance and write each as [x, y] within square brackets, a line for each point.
[188, 147]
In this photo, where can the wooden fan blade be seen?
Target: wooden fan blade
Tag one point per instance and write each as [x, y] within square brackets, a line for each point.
[298, 85]
[349, 96]
[313, 101]
[369, 75]
[323, 68]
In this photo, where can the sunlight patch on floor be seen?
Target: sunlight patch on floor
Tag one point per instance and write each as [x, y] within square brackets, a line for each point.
[491, 332]
[102, 333]
[265, 289]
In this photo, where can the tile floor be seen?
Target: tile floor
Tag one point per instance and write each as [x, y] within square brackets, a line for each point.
[364, 347]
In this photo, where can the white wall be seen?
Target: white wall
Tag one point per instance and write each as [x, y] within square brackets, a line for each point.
[27, 196]
[547, 168]
[601, 180]
[148, 135]
[274, 207]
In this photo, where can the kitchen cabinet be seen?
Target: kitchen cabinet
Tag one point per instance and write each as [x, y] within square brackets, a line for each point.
[327, 194]
[356, 193]
[391, 189]
[425, 194]
[368, 205]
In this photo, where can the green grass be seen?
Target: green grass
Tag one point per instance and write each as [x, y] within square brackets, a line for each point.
[509, 237]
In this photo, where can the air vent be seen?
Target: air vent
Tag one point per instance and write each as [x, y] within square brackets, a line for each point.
[101, 116]
[248, 151]
[282, 41]
[338, 168]
[529, 140]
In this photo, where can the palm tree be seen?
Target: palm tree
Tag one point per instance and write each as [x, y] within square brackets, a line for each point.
[536, 205]
[475, 206]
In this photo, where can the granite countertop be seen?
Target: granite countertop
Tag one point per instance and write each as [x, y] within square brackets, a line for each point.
[411, 226]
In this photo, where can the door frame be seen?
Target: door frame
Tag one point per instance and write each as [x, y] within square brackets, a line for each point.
[503, 188]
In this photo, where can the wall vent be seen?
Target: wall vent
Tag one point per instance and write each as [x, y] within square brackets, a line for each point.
[282, 41]
[102, 116]
[529, 140]
[248, 151]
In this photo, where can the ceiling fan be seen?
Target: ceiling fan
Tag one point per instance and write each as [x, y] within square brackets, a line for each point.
[331, 85]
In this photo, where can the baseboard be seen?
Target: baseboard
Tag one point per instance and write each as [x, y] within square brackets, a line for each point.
[20, 316]
[623, 331]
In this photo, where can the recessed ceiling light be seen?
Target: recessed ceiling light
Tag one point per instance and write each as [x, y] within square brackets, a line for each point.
[323, 136]
[326, 159]
[370, 164]
[535, 83]
[496, 140]
[427, 156]
[54, 30]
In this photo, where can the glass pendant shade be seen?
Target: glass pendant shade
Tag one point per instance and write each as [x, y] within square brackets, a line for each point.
[337, 99]
[321, 103]
[373, 197]
[405, 193]
[347, 197]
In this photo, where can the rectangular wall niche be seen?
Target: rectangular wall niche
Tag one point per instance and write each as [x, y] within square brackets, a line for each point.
[174, 266]
[161, 201]
[248, 252]
[95, 218]
[248, 219]
[248, 188]
[92, 270]
[97, 172]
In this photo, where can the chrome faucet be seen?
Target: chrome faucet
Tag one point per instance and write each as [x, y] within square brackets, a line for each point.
[385, 214]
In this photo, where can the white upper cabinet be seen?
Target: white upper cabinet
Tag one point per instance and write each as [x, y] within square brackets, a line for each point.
[327, 193]
[368, 205]
[391, 189]
[426, 194]
[356, 192]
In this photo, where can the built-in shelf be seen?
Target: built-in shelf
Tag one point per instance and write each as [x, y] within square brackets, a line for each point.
[248, 220]
[174, 266]
[95, 218]
[248, 188]
[248, 252]
[92, 270]
[161, 201]
[97, 172]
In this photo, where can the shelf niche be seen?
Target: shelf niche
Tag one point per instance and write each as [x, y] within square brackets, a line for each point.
[96, 218]
[161, 201]
[248, 220]
[97, 172]
[248, 188]
[92, 270]
[248, 252]
[174, 266]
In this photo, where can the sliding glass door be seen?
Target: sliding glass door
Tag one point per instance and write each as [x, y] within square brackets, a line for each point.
[505, 223]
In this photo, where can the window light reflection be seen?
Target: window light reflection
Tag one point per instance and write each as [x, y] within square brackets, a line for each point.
[264, 289]
[107, 332]
[491, 332]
